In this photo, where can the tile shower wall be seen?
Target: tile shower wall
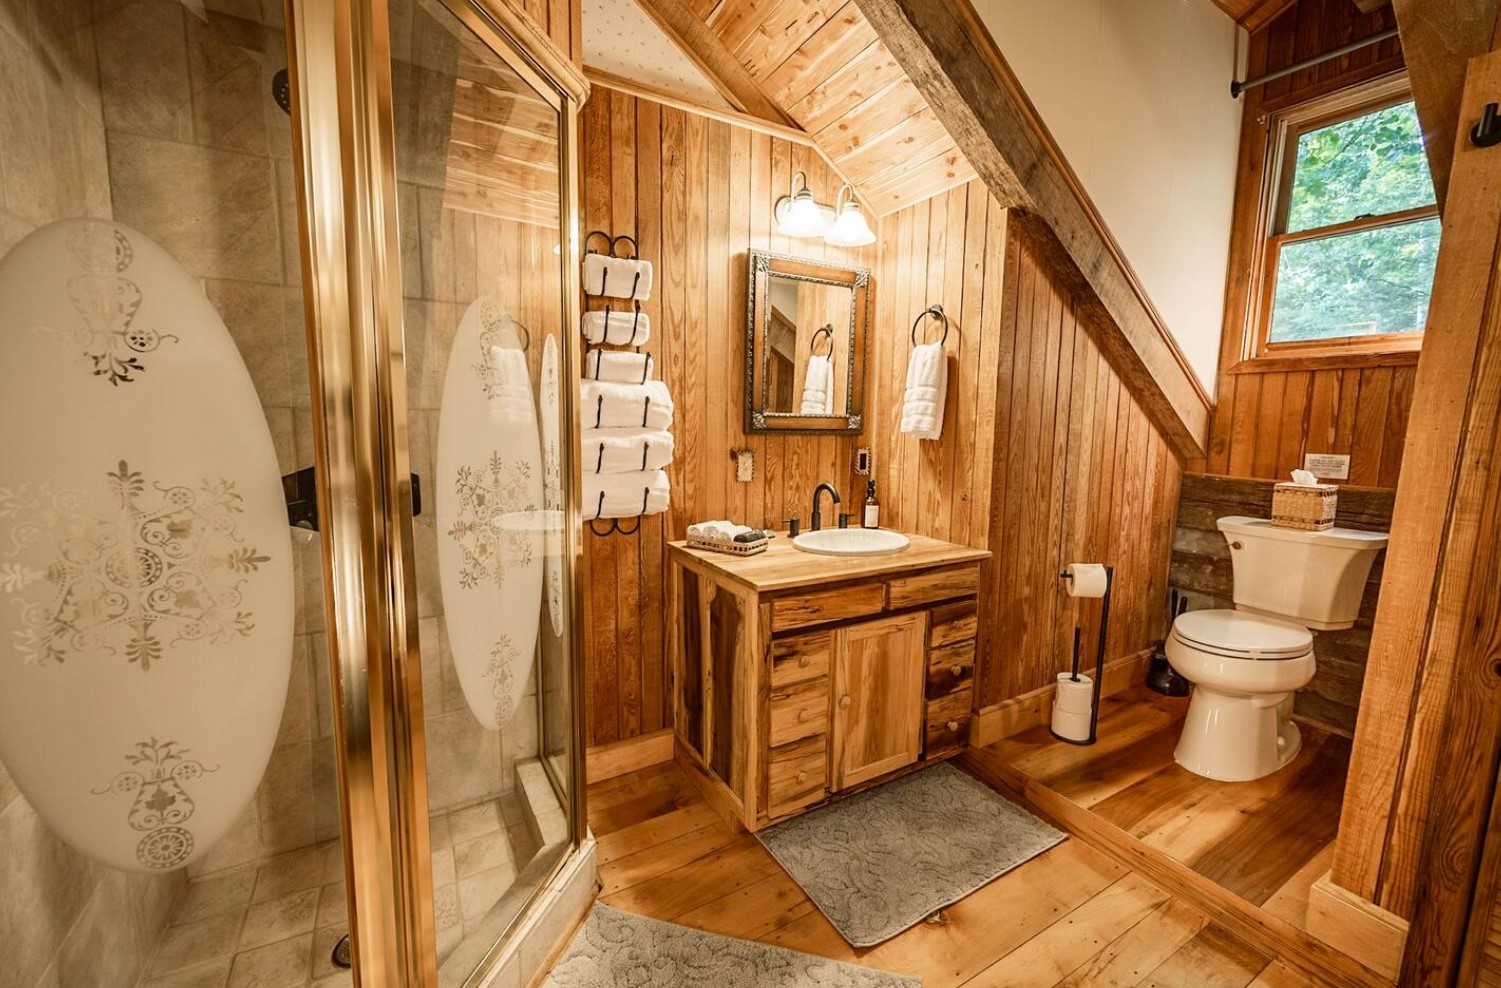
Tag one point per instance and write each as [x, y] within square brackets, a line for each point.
[159, 117]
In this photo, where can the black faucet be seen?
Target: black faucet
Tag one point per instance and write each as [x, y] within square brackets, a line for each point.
[833, 493]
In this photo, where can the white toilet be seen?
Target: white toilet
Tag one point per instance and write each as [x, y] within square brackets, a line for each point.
[1245, 664]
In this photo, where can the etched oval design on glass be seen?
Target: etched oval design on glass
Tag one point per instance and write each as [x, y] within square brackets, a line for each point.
[490, 516]
[146, 592]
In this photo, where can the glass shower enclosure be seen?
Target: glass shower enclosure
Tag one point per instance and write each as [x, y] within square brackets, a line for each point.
[288, 654]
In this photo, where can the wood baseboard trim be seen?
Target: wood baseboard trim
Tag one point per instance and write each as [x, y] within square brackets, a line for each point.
[1314, 958]
[1356, 927]
[607, 761]
[1011, 717]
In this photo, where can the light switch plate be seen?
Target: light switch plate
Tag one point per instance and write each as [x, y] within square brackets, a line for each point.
[862, 461]
[1328, 466]
[745, 465]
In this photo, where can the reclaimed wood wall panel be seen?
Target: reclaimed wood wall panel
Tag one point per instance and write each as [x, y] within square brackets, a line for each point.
[1266, 417]
[1045, 458]
[697, 194]
[1201, 567]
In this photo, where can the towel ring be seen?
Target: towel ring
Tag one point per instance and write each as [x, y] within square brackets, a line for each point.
[825, 330]
[526, 335]
[936, 312]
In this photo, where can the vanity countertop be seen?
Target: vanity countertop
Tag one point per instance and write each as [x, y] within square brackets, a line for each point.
[782, 567]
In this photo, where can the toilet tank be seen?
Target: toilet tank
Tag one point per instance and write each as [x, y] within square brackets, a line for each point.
[1313, 578]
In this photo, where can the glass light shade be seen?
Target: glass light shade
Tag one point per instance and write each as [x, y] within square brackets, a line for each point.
[802, 216]
[850, 228]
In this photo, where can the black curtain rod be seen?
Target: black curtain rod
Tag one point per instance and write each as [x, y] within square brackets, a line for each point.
[1237, 88]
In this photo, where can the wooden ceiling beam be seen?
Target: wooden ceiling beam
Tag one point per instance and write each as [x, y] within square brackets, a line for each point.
[723, 69]
[954, 62]
[1439, 37]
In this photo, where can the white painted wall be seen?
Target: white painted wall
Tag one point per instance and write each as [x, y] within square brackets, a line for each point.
[1137, 95]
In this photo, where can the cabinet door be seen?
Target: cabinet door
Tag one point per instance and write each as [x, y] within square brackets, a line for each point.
[878, 697]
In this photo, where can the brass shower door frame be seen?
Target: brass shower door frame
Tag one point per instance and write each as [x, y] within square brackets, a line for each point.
[344, 150]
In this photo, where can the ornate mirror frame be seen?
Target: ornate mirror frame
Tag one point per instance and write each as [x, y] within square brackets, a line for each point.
[762, 266]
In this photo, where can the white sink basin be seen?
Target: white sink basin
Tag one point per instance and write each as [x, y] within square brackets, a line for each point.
[851, 541]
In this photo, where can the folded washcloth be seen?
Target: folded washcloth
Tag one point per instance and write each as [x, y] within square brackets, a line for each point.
[616, 277]
[618, 328]
[508, 388]
[927, 391]
[620, 366]
[625, 450]
[818, 387]
[625, 495]
[606, 405]
[723, 531]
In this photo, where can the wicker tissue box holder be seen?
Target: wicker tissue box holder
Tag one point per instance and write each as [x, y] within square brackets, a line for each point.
[1302, 506]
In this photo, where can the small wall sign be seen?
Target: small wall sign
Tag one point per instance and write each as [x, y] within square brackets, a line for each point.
[1327, 466]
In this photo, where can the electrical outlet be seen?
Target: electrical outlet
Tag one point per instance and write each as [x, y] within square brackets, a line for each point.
[862, 461]
[1327, 466]
[745, 465]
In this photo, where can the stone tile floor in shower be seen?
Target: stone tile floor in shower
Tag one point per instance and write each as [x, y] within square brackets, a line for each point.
[275, 925]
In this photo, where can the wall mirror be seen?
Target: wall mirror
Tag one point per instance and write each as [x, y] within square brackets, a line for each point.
[805, 345]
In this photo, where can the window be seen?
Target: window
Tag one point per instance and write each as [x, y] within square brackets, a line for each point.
[1353, 229]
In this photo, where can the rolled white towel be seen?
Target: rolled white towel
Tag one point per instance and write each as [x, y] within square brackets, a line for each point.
[620, 366]
[616, 277]
[625, 450]
[606, 405]
[625, 495]
[927, 391]
[818, 386]
[724, 530]
[617, 328]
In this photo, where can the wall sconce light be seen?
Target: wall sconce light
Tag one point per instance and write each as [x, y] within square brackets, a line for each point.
[798, 214]
[850, 228]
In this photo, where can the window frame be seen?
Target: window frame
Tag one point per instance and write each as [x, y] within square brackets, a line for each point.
[1284, 128]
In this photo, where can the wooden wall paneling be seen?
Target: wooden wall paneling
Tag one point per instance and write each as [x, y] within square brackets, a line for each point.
[1393, 758]
[650, 544]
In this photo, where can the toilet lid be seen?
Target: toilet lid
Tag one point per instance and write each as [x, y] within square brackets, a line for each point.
[1242, 634]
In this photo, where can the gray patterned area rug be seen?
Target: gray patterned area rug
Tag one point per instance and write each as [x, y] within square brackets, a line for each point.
[615, 949]
[887, 858]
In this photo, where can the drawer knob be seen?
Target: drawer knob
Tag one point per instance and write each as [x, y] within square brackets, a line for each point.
[957, 670]
[805, 661]
[803, 715]
[953, 725]
[802, 776]
[844, 701]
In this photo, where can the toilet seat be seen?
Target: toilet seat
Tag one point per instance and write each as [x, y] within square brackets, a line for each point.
[1238, 635]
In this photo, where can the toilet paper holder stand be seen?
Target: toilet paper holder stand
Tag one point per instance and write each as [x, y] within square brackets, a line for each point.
[1099, 664]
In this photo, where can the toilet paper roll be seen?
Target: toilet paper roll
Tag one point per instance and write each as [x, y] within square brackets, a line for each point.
[1087, 580]
[1074, 697]
[1071, 725]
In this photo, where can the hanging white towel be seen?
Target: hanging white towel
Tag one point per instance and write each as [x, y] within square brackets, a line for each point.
[508, 388]
[620, 366]
[818, 386]
[625, 495]
[617, 328]
[617, 277]
[927, 390]
[625, 450]
[606, 405]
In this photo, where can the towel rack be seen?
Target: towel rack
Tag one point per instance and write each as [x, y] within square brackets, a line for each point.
[934, 312]
[827, 330]
[615, 526]
[604, 281]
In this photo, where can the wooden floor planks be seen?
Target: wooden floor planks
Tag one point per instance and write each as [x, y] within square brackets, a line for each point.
[1070, 917]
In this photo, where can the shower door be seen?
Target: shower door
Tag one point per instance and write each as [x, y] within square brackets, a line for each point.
[440, 215]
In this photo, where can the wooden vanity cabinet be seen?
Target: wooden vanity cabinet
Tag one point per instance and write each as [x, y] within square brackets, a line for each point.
[798, 677]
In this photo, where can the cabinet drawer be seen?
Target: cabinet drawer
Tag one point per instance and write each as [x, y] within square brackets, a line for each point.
[799, 711]
[947, 723]
[952, 623]
[950, 668]
[799, 659]
[942, 584]
[802, 610]
[798, 774]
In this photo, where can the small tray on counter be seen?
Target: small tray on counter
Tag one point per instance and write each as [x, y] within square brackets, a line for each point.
[729, 548]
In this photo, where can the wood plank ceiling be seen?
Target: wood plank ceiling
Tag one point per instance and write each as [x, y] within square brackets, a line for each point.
[822, 64]
[1253, 15]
